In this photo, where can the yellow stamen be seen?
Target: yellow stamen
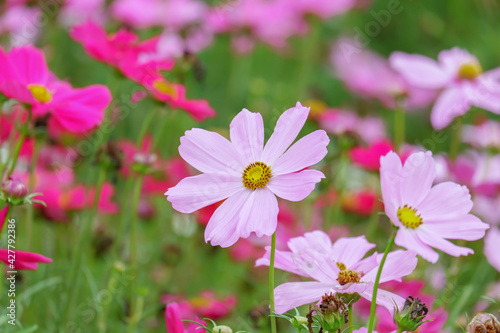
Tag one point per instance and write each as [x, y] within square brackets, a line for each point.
[341, 266]
[470, 70]
[164, 87]
[256, 175]
[348, 276]
[40, 93]
[409, 217]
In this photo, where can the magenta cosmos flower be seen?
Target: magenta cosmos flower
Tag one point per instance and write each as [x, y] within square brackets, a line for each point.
[427, 215]
[24, 76]
[337, 267]
[247, 173]
[459, 77]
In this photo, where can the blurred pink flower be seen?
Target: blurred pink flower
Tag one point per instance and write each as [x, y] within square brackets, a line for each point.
[174, 322]
[491, 242]
[24, 76]
[369, 157]
[23, 260]
[363, 330]
[19, 21]
[79, 11]
[484, 135]
[458, 76]
[248, 174]
[337, 267]
[427, 215]
[205, 305]
[369, 75]
[487, 208]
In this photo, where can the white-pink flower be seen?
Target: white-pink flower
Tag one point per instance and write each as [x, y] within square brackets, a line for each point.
[427, 215]
[458, 76]
[338, 268]
[491, 242]
[248, 174]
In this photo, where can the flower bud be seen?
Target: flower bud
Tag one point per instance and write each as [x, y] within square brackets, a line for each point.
[14, 188]
[411, 315]
[222, 329]
[484, 323]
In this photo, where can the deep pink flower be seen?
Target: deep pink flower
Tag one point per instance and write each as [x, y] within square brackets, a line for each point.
[362, 202]
[459, 77]
[248, 174]
[206, 304]
[337, 267]
[23, 260]
[174, 323]
[24, 76]
[369, 157]
[427, 215]
[491, 242]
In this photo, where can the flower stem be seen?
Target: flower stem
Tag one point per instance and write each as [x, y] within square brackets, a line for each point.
[400, 330]
[19, 145]
[133, 252]
[271, 282]
[351, 325]
[457, 136]
[373, 306]
[399, 126]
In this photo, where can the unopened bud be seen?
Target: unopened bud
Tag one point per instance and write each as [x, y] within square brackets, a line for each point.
[411, 315]
[484, 323]
[332, 313]
[14, 188]
[222, 329]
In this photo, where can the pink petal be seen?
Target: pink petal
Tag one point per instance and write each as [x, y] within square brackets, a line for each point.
[418, 175]
[485, 91]
[450, 104]
[259, 214]
[283, 260]
[295, 186]
[409, 239]
[398, 264]
[350, 251]
[293, 294]
[287, 128]
[418, 70]
[193, 193]
[306, 152]
[317, 240]
[3, 215]
[491, 248]
[247, 135]
[385, 298]
[173, 318]
[29, 65]
[391, 171]
[442, 244]
[445, 200]
[211, 153]
[467, 227]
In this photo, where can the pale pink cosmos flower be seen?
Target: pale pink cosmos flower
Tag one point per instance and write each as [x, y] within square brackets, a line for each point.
[487, 208]
[337, 267]
[427, 215]
[247, 173]
[485, 135]
[458, 76]
[369, 75]
[491, 242]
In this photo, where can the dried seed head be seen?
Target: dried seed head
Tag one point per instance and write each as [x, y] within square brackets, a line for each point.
[484, 323]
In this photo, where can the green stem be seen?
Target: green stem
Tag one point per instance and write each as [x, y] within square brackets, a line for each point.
[373, 306]
[19, 145]
[271, 282]
[399, 126]
[400, 330]
[351, 325]
[31, 188]
[457, 137]
[144, 128]
[133, 252]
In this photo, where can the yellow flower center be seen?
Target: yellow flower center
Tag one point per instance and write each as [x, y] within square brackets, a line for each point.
[347, 275]
[256, 175]
[40, 93]
[409, 217]
[165, 87]
[470, 70]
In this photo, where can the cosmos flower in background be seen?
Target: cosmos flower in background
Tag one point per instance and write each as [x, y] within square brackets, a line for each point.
[339, 267]
[24, 76]
[457, 76]
[24, 260]
[17, 21]
[174, 321]
[369, 75]
[485, 135]
[427, 215]
[247, 173]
